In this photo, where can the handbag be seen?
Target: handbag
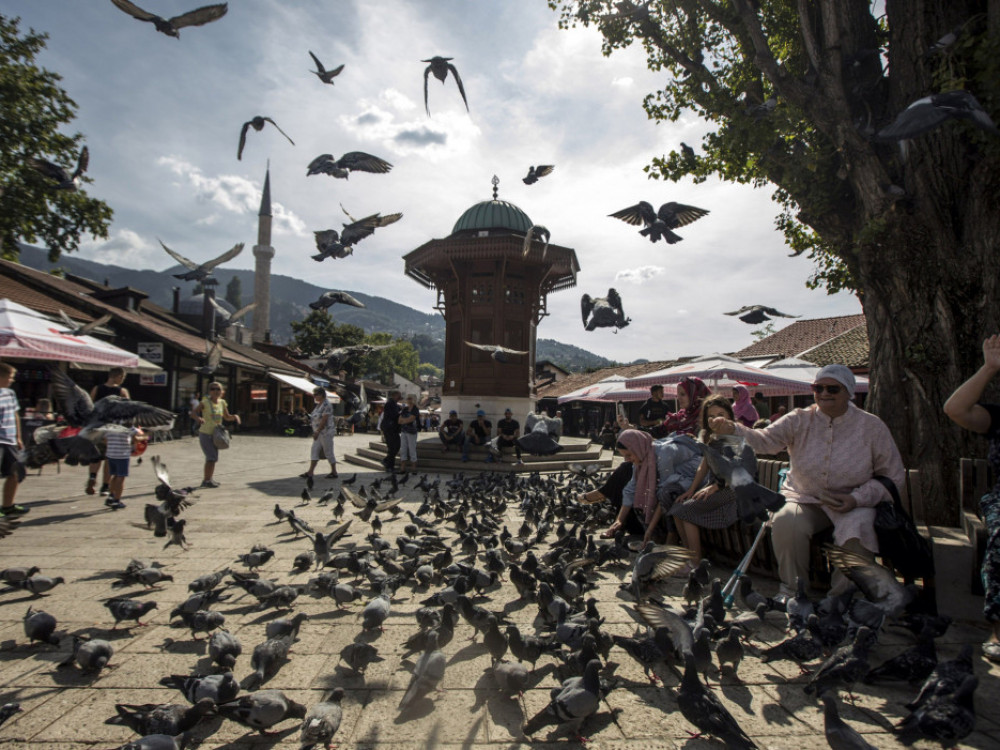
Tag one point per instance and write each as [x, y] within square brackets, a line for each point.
[221, 438]
[899, 541]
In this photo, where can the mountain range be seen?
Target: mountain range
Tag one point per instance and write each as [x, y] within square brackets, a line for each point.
[426, 330]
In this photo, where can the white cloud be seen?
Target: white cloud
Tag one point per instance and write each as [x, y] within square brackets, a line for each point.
[124, 248]
[640, 274]
[623, 82]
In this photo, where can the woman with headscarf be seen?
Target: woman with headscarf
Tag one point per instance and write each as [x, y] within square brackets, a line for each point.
[743, 408]
[661, 470]
[690, 393]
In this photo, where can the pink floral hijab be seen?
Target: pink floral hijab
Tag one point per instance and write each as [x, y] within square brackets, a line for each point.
[641, 445]
[743, 408]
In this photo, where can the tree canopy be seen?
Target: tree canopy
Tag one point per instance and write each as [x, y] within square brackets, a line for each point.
[318, 332]
[796, 94]
[33, 107]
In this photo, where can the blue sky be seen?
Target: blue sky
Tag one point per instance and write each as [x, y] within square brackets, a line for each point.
[162, 119]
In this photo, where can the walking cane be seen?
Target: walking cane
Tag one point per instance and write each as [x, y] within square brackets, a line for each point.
[729, 590]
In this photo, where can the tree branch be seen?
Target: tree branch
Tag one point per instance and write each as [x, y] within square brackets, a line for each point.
[808, 38]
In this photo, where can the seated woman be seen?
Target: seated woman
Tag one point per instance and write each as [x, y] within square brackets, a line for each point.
[965, 409]
[661, 470]
[709, 505]
[744, 411]
[835, 450]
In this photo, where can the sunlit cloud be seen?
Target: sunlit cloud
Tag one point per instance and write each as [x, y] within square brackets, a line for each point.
[640, 274]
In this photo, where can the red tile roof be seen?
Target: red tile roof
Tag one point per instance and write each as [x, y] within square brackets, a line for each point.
[849, 348]
[801, 336]
[583, 379]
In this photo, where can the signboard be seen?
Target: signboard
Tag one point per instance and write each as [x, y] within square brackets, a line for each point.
[258, 394]
[156, 378]
[151, 350]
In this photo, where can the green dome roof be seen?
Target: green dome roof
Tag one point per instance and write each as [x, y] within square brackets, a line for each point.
[494, 214]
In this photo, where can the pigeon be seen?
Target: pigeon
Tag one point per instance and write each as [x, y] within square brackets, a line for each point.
[224, 647]
[326, 76]
[658, 224]
[262, 710]
[440, 67]
[256, 558]
[220, 688]
[536, 173]
[157, 742]
[128, 609]
[654, 564]
[647, 651]
[229, 318]
[38, 584]
[62, 179]
[946, 677]
[753, 501]
[846, 666]
[267, 658]
[572, 704]
[511, 677]
[754, 314]
[359, 655]
[172, 26]
[839, 734]
[327, 299]
[498, 353]
[285, 628]
[148, 577]
[201, 271]
[7, 710]
[257, 123]
[603, 312]
[539, 233]
[75, 329]
[16, 575]
[332, 244]
[199, 601]
[427, 673]
[703, 709]
[176, 528]
[375, 612]
[878, 584]
[946, 716]
[730, 650]
[164, 718]
[89, 653]
[931, 112]
[352, 161]
[211, 360]
[208, 581]
[322, 721]
[914, 665]
[40, 626]
[202, 621]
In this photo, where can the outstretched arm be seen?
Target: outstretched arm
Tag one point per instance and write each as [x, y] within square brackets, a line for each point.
[962, 406]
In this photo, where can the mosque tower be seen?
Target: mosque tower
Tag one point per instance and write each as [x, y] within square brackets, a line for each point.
[263, 252]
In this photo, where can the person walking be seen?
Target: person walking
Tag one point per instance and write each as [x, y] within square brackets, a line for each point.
[389, 424]
[211, 412]
[409, 420]
[324, 427]
[118, 455]
[110, 387]
[11, 443]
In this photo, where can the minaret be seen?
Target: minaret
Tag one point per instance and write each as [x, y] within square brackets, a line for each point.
[263, 252]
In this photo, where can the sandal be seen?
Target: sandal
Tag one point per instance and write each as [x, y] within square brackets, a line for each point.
[332, 475]
[991, 650]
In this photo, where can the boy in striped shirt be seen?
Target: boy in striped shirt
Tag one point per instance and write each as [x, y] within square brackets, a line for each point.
[118, 451]
[11, 443]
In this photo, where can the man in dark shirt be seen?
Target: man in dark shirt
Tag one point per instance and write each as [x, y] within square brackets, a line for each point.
[479, 433]
[508, 431]
[390, 429]
[760, 404]
[451, 432]
[653, 411]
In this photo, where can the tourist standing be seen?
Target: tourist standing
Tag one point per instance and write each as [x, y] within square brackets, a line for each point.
[211, 412]
[389, 424]
[409, 419]
[11, 442]
[111, 387]
[323, 430]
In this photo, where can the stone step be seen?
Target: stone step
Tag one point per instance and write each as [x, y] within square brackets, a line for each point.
[572, 452]
[440, 464]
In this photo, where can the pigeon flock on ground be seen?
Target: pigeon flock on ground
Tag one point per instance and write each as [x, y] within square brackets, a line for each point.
[477, 552]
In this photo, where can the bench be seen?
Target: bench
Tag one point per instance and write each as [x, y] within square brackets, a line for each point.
[731, 544]
[975, 479]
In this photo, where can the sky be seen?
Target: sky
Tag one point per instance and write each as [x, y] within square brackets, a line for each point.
[162, 118]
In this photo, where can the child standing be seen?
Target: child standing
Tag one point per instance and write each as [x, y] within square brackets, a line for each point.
[11, 442]
[118, 452]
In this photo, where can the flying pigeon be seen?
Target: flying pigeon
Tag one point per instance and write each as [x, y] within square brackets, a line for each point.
[535, 173]
[498, 353]
[603, 312]
[658, 224]
[933, 111]
[201, 271]
[754, 314]
[752, 500]
[212, 359]
[332, 244]
[63, 179]
[537, 232]
[257, 123]
[75, 329]
[172, 26]
[231, 317]
[326, 76]
[336, 358]
[328, 299]
[440, 67]
[352, 161]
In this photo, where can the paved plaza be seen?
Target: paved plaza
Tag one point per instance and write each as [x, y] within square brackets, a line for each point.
[70, 534]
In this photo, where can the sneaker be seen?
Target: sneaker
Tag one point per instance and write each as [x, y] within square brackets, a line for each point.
[520, 462]
[209, 484]
[105, 489]
[114, 504]
[14, 510]
[91, 486]
[991, 650]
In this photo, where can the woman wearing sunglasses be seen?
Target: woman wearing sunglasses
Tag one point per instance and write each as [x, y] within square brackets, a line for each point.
[835, 449]
[210, 413]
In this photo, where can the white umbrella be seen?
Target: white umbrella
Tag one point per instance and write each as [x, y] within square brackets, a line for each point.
[26, 334]
[601, 390]
[800, 369]
[721, 372]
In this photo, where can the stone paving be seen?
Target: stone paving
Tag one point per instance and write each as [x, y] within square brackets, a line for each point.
[70, 534]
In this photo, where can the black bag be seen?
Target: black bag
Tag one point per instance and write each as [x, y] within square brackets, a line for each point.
[899, 542]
